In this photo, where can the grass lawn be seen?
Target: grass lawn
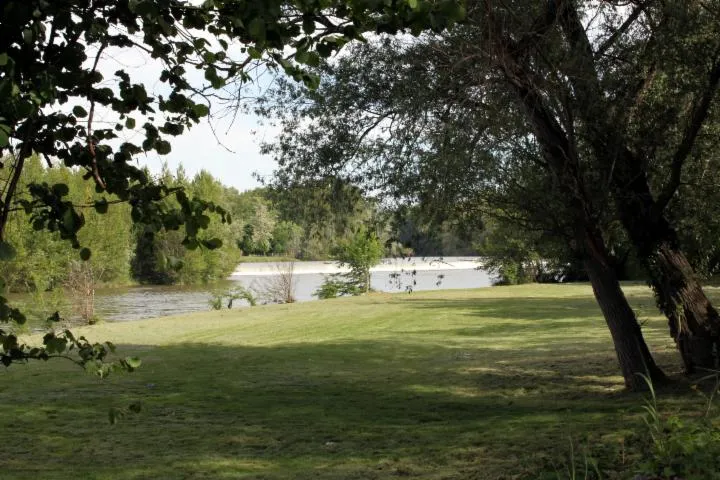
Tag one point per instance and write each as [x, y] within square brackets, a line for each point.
[467, 384]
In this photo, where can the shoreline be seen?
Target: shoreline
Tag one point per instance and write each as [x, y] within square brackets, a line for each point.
[331, 267]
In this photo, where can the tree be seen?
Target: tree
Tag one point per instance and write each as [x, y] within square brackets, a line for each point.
[674, 49]
[406, 119]
[263, 225]
[161, 257]
[328, 211]
[362, 251]
[583, 101]
[51, 87]
[287, 238]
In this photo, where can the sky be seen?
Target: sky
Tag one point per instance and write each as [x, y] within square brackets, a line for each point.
[232, 157]
[231, 154]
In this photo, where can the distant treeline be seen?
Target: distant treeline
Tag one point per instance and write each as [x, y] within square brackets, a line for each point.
[305, 222]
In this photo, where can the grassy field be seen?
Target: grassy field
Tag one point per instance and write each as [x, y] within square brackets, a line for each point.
[476, 384]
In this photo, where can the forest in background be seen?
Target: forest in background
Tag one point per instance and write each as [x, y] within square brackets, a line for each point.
[305, 222]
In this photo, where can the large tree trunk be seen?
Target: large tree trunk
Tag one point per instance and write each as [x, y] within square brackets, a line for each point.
[632, 352]
[563, 164]
[694, 322]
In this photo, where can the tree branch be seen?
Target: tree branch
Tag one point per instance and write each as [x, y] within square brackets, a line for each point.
[622, 29]
[697, 117]
[25, 152]
[91, 143]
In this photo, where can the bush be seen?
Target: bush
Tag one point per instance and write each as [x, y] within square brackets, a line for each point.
[333, 286]
[360, 253]
[278, 288]
[229, 296]
[687, 449]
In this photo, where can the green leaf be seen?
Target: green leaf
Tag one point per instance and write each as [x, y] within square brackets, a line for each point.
[85, 254]
[79, 111]
[190, 243]
[313, 59]
[201, 110]
[7, 251]
[130, 123]
[4, 135]
[257, 29]
[101, 206]
[413, 4]
[133, 362]
[3, 59]
[60, 189]
[68, 220]
[301, 56]
[162, 147]
[213, 243]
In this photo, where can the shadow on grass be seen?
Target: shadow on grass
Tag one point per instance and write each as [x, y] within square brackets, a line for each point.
[489, 388]
[521, 308]
[355, 409]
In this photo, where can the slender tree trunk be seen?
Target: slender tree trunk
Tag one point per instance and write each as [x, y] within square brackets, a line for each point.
[632, 352]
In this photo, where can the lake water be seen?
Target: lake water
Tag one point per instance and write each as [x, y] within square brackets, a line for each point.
[392, 275]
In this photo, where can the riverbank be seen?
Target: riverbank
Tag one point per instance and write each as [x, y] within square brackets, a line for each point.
[150, 301]
[266, 259]
[486, 384]
[386, 265]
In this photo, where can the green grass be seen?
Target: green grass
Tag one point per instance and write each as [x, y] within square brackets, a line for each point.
[475, 384]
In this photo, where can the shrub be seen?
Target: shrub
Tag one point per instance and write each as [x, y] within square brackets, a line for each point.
[334, 286]
[238, 292]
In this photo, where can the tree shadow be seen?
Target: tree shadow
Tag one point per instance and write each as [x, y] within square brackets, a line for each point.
[350, 409]
[576, 309]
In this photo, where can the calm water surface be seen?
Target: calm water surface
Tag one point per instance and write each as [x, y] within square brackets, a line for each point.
[134, 303]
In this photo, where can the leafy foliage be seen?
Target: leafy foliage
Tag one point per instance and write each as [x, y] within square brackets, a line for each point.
[682, 448]
[166, 258]
[536, 112]
[229, 296]
[360, 253]
[336, 285]
[52, 86]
